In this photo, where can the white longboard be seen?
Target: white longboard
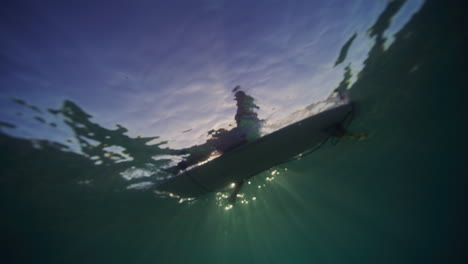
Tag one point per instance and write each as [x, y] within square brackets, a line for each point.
[257, 156]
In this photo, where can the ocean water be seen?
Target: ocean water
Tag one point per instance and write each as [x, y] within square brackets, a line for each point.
[77, 189]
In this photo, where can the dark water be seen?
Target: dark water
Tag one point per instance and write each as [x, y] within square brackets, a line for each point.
[396, 197]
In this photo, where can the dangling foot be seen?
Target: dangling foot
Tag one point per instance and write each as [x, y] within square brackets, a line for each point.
[232, 198]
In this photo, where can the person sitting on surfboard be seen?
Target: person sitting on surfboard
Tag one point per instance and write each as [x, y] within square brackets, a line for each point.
[247, 129]
[302, 137]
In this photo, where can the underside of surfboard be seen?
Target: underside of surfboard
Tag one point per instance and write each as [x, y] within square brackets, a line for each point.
[257, 156]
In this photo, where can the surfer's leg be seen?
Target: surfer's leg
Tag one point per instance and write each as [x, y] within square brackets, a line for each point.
[232, 198]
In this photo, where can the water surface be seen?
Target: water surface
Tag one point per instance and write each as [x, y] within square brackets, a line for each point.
[76, 188]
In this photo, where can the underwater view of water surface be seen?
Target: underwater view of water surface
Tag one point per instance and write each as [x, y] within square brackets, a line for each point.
[104, 104]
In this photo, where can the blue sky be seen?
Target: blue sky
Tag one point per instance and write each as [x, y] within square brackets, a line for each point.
[162, 67]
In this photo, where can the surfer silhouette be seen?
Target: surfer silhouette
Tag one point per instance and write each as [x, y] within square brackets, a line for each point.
[222, 140]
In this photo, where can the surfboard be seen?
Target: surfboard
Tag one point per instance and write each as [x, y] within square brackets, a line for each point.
[252, 158]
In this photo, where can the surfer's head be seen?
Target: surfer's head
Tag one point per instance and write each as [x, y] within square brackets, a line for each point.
[239, 95]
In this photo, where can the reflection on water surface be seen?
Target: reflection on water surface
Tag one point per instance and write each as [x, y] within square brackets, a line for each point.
[74, 186]
[145, 160]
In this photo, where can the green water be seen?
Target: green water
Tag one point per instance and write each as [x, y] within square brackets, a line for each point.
[395, 197]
